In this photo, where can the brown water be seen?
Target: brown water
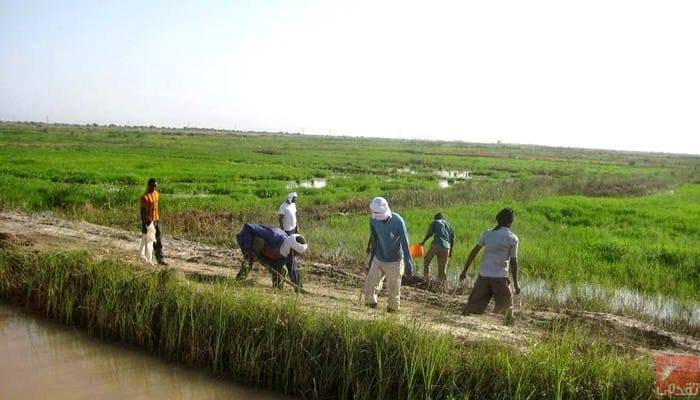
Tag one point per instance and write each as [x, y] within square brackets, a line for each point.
[43, 360]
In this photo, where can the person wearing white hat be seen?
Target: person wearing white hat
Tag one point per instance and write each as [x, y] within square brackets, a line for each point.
[389, 254]
[273, 248]
[287, 214]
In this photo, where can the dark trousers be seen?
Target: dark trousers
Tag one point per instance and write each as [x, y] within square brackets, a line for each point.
[158, 245]
[279, 269]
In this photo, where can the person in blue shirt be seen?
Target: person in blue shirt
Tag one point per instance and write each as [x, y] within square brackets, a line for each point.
[389, 254]
[443, 242]
[273, 248]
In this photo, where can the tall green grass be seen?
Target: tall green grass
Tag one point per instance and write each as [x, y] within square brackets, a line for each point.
[270, 341]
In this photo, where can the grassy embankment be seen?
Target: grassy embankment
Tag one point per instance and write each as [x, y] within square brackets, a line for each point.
[271, 343]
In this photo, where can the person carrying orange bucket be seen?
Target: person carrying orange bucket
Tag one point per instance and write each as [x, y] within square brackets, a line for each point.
[442, 245]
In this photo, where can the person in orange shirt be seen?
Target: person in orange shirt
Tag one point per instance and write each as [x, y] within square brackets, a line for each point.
[149, 213]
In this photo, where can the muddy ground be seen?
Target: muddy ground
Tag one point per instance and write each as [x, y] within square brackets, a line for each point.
[334, 288]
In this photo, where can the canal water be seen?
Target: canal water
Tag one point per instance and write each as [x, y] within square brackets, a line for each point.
[44, 360]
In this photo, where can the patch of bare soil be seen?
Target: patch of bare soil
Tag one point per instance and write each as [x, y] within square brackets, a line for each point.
[336, 289]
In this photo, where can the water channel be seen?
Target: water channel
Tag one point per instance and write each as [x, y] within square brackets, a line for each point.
[44, 360]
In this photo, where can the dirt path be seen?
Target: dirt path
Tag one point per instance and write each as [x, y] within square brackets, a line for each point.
[337, 289]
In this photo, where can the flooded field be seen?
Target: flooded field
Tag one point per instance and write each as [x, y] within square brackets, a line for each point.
[620, 301]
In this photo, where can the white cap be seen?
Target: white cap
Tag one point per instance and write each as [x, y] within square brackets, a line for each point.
[380, 208]
[296, 242]
[291, 196]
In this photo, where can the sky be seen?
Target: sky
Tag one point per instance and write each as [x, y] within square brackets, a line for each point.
[599, 74]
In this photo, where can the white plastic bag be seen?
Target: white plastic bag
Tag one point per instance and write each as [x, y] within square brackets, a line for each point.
[146, 244]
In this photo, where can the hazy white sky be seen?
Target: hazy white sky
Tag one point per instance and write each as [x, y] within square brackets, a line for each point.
[610, 74]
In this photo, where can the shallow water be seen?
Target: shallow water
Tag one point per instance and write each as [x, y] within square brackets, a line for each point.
[44, 360]
[620, 300]
[319, 183]
[456, 175]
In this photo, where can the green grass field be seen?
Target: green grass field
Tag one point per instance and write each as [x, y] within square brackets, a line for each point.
[594, 225]
[584, 217]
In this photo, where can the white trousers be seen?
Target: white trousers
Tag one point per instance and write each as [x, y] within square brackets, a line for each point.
[379, 270]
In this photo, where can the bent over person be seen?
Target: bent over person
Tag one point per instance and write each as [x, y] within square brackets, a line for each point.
[149, 213]
[500, 256]
[273, 248]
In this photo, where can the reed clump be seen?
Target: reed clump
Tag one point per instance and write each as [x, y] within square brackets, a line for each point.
[275, 344]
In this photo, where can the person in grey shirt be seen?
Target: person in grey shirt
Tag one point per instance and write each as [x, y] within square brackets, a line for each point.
[500, 257]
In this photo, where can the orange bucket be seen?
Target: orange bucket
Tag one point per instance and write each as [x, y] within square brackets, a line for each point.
[416, 250]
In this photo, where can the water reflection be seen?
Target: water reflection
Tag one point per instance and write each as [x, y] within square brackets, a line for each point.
[405, 170]
[42, 360]
[448, 178]
[311, 184]
[455, 175]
